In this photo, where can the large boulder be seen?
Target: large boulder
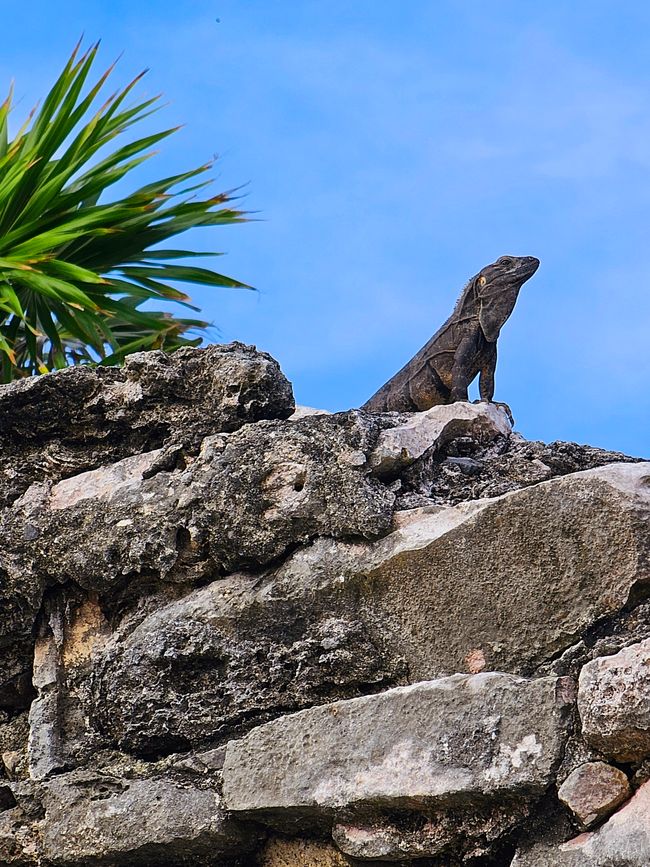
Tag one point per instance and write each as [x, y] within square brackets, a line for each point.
[455, 750]
[430, 744]
[523, 576]
[500, 584]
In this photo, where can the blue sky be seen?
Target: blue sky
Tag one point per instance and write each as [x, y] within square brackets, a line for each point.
[392, 150]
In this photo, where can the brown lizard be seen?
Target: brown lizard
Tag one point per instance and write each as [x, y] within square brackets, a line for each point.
[466, 345]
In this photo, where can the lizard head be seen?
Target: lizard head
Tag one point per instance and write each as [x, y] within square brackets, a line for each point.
[497, 287]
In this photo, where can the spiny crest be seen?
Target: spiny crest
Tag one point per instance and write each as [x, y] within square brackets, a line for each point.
[462, 298]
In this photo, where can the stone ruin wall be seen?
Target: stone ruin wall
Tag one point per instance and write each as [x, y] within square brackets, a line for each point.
[237, 635]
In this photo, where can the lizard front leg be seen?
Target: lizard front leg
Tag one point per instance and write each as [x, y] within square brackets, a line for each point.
[486, 379]
[460, 373]
[488, 368]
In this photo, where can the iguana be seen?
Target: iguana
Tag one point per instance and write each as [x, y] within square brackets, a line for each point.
[463, 347]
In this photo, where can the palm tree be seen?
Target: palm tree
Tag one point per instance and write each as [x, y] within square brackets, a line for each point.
[75, 271]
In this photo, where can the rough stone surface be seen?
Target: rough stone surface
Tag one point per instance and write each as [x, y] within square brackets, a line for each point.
[184, 563]
[431, 744]
[614, 703]
[245, 500]
[623, 841]
[593, 791]
[223, 659]
[468, 469]
[14, 733]
[304, 411]
[429, 431]
[98, 817]
[458, 833]
[89, 818]
[16, 689]
[340, 619]
[504, 584]
[58, 425]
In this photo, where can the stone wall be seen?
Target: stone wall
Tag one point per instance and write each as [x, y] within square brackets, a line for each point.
[237, 635]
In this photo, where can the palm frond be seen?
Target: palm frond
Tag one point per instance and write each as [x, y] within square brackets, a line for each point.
[77, 273]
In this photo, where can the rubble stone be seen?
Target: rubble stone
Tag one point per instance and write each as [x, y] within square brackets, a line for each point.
[429, 431]
[614, 703]
[623, 841]
[209, 600]
[593, 791]
[72, 420]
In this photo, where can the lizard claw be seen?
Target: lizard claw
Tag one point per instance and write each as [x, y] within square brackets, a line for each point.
[501, 405]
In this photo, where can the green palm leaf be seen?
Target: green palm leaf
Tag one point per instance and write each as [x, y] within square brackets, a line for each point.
[77, 274]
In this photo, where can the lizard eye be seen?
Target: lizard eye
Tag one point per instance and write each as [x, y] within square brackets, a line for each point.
[505, 260]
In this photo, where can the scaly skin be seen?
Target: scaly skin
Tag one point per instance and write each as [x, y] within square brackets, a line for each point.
[466, 345]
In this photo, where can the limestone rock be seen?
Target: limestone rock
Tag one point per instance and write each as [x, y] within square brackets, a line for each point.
[63, 423]
[14, 734]
[429, 431]
[226, 658]
[91, 818]
[304, 411]
[245, 500]
[185, 562]
[450, 741]
[16, 690]
[510, 581]
[466, 468]
[623, 841]
[614, 703]
[20, 844]
[458, 832]
[593, 791]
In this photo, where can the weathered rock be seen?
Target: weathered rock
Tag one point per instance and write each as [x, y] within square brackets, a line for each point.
[63, 423]
[89, 818]
[510, 582]
[20, 844]
[593, 791]
[45, 750]
[275, 643]
[14, 735]
[134, 501]
[614, 703]
[222, 660]
[452, 741]
[623, 841]
[16, 691]
[247, 499]
[429, 431]
[304, 411]
[459, 833]
[466, 468]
